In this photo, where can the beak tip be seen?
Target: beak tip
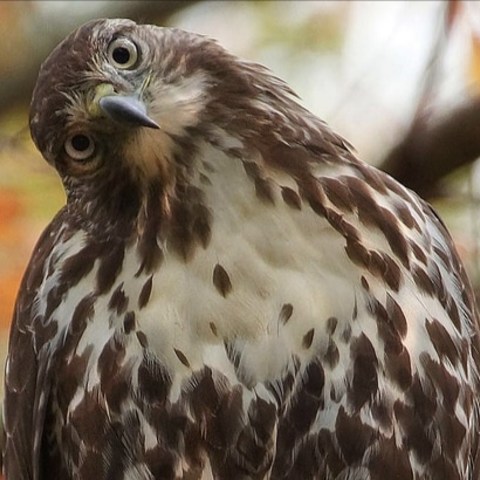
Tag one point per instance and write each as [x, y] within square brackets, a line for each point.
[127, 110]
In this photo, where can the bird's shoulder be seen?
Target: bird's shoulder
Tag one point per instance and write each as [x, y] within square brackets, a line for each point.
[29, 364]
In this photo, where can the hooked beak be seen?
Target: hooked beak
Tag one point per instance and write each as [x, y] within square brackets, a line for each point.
[126, 109]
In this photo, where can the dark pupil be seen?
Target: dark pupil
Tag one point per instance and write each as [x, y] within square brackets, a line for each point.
[121, 55]
[80, 143]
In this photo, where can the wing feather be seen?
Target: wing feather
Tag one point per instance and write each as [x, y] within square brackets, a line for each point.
[28, 369]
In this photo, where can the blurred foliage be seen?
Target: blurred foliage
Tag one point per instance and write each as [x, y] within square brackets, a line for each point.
[301, 33]
[30, 194]
[474, 64]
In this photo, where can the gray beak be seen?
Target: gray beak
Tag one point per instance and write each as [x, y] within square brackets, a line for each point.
[128, 110]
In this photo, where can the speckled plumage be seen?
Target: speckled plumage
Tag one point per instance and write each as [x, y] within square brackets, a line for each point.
[232, 296]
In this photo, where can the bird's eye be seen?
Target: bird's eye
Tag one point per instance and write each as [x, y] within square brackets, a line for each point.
[80, 146]
[123, 53]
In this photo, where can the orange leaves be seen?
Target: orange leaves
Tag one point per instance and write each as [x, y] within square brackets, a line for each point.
[474, 66]
[11, 239]
[472, 16]
[9, 283]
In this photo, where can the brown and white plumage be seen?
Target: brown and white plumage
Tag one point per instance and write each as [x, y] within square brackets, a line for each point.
[232, 295]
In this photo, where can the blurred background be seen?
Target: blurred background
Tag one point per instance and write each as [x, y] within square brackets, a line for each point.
[400, 80]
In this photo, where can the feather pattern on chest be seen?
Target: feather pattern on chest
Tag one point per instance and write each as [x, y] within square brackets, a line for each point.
[241, 298]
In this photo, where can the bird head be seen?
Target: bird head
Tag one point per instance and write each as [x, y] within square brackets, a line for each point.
[121, 110]
[116, 91]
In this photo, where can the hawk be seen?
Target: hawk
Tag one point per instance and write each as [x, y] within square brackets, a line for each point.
[229, 292]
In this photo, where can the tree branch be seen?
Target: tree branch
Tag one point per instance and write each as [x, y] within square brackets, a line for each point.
[431, 150]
